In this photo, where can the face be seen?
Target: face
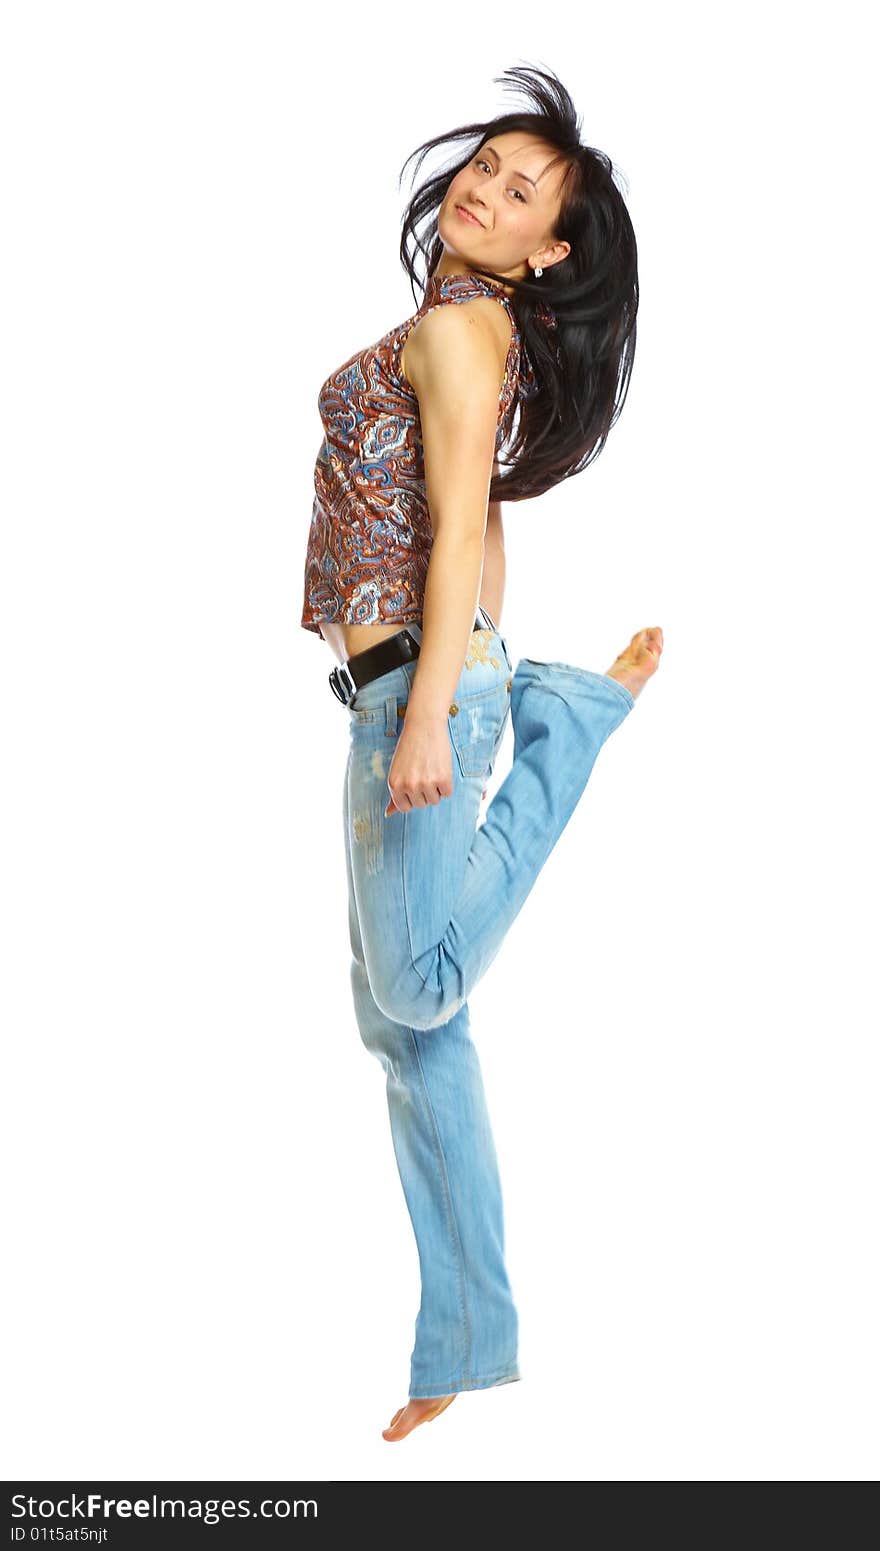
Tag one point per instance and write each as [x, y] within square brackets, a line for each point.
[513, 195]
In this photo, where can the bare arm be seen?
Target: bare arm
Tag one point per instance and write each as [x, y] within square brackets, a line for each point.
[453, 364]
[452, 361]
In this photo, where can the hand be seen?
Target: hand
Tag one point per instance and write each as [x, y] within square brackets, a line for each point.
[421, 770]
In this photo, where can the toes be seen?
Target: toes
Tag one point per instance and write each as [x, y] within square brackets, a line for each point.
[394, 1420]
[427, 1416]
[650, 640]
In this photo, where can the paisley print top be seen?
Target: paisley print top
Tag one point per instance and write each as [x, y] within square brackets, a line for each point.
[370, 537]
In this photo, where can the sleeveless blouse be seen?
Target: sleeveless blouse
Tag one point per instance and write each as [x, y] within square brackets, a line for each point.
[370, 537]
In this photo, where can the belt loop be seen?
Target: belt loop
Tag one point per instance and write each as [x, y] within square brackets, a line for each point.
[391, 715]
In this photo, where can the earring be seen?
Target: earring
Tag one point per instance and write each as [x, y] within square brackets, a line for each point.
[538, 272]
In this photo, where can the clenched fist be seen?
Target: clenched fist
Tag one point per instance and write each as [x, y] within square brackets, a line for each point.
[421, 769]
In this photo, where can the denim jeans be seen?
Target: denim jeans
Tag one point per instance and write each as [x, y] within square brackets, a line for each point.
[432, 894]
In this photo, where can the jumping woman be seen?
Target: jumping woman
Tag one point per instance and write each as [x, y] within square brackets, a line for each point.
[523, 344]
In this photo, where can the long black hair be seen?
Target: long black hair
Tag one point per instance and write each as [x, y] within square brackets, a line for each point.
[577, 322]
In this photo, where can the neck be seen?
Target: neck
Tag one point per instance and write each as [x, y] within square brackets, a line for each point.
[448, 266]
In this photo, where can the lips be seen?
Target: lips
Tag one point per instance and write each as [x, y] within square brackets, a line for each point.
[467, 216]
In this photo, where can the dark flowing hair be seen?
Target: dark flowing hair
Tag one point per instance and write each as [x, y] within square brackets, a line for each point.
[577, 322]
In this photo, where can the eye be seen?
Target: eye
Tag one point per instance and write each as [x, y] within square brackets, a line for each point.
[478, 162]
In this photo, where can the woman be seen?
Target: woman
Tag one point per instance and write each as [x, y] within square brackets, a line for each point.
[405, 580]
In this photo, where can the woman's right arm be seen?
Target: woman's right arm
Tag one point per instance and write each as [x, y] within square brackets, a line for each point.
[452, 362]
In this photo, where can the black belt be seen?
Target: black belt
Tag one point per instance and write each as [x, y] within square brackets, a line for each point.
[404, 646]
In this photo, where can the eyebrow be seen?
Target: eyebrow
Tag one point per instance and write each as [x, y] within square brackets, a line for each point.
[516, 174]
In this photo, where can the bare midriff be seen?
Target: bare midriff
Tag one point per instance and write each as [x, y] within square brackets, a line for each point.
[346, 640]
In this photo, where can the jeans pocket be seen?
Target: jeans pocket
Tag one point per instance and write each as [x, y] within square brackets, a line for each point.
[476, 728]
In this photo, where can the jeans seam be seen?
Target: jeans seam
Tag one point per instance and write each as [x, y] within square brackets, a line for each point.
[449, 1208]
[619, 690]
[406, 909]
[404, 894]
[548, 690]
[409, 671]
[509, 1372]
[626, 694]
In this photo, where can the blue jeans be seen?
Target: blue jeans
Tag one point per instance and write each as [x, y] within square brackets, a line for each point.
[431, 897]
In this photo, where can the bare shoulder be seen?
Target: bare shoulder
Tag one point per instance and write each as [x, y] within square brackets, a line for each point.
[462, 336]
[495, 316]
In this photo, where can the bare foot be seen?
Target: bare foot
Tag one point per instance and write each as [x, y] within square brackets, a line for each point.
[414, 1412]
[639, 660]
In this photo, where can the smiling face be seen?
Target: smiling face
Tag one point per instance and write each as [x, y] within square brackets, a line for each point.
[512, 192]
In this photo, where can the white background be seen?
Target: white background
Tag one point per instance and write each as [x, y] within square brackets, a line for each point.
[211, 1272]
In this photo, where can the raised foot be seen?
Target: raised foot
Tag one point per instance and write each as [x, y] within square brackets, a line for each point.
[412, 1414]
[639, 660]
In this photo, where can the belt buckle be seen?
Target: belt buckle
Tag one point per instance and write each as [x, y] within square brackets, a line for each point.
[338, 685]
